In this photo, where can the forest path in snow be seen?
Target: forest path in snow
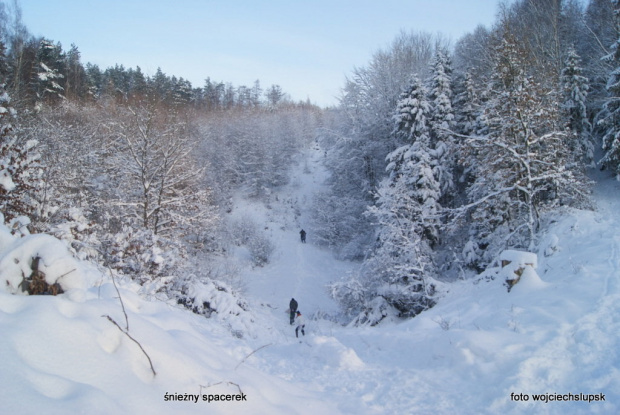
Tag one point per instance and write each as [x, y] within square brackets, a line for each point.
[296, 270]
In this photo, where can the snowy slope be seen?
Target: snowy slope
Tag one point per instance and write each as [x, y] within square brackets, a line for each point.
[558, 334]
[63, 357]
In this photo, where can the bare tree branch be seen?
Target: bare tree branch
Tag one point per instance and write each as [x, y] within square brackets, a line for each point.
[134, 340]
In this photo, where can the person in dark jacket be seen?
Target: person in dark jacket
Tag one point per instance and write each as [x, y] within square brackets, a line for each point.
[292, 307]
[303, 236]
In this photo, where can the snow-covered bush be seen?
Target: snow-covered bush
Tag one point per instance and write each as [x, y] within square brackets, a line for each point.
[241, 230]
[471, 253]
[38, 264]
[382, 289]
[142, 255]
[261, 248]
[245, 232]
[375, 312]
[338, 222]
[205, 296]
[410, 297]
[218, 267]
[78, 232]
[213, 299]
[349, 293]
[20, 168]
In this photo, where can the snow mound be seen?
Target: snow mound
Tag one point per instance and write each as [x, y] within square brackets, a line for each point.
[334, 354]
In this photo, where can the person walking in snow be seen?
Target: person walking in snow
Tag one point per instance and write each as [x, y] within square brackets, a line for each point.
[292, 308]
[303, 236]
[299, 320]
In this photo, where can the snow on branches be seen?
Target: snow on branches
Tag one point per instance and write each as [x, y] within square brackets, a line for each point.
[400, 269]
[523, 162]
[609, 118]
[20, 170]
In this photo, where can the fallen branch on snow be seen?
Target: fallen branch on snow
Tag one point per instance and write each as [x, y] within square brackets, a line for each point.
[134, 340]
[246, 358]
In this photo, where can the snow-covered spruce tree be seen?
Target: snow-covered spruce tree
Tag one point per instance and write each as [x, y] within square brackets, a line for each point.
[468, 121]
[335, 219]
[413, 112]
[522, 162]
[575, 87]
[467, 107]
[75, 79]
[414, 163]
[48, 81]
[400, 270]
[609, 119]
[442, 122]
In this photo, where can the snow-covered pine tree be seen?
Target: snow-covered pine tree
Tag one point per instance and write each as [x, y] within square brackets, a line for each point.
[442, 122]
[181, 93]
[575, 88]
[610, 115]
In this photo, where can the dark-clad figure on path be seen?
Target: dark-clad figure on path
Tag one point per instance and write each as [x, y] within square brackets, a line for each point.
[303, 236]
[292, 308]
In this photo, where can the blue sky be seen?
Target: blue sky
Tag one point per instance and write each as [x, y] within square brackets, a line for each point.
[306, 46]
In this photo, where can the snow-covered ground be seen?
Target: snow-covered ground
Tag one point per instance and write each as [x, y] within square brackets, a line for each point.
[482, 349]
